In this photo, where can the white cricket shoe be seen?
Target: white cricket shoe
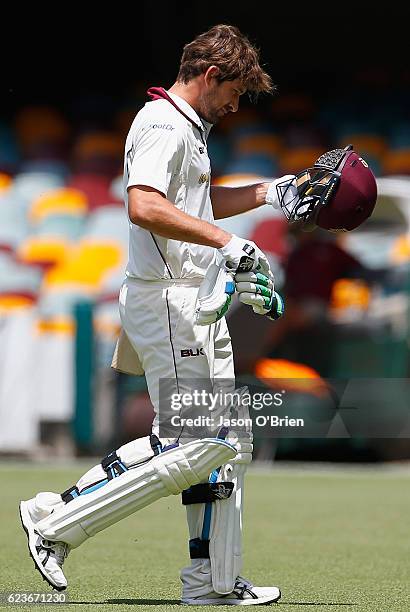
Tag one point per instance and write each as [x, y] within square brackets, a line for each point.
[48, 556]
[243, 594]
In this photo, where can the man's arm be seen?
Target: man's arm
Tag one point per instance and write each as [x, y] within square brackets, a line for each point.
[230, 201]
[149, 209]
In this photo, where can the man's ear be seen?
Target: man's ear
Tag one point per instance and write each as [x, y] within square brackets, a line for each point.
[211, 73]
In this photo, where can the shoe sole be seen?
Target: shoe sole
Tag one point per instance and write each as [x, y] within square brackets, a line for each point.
[26, 524]
[261, 601]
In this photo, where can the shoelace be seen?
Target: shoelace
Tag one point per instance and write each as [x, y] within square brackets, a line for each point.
[60, 550]
[243, 586]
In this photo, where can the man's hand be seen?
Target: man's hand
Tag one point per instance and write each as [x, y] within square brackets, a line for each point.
[257, 290]
[294, 195]
[240, 255]
[288, 183]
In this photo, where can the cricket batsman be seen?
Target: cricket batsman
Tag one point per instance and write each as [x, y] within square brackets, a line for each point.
[180, 277]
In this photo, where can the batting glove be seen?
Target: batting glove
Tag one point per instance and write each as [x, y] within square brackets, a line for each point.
[240, 255]
[257, 290]
[289, 194]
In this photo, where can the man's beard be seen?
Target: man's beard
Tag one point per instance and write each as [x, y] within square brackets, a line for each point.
[207, 110]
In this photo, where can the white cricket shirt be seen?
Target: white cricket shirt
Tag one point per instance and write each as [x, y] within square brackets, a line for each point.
[165, 150]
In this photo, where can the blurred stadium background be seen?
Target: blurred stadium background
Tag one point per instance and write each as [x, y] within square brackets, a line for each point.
[63, 229]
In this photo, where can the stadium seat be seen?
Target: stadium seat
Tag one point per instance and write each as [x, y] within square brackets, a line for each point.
[349, 296]
[66, 201]
[117, 189]
[69, 227]
[396, 161]
[43, 251]
[13, 222]
[49, 166]
[27, 186]
[96, 187]
[262, 165]
[5, 183]
[108, 223]
[271, 236]
[40, 124]
[86, 266]
[365, 144]
[295, 160]
[98, 153]
[258, 144]
[17, 278]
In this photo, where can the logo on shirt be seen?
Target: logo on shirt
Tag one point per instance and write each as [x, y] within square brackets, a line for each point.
[204, 178]
[162, 126]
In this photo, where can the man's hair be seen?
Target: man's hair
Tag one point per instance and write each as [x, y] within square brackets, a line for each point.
[231, 51]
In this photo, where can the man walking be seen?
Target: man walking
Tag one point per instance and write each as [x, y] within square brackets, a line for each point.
[173, 242]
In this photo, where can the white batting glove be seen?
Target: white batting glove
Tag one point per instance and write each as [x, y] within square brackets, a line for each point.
[283, 195]
[241, 255]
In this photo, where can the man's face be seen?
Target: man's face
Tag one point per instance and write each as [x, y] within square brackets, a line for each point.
[219, 99]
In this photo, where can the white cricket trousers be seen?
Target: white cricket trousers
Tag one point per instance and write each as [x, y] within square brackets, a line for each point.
[159, 320]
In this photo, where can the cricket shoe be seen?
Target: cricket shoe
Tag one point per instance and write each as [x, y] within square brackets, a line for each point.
[243, 594]
[48, 556]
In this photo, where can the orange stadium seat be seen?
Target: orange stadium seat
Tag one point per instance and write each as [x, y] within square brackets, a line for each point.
[43, 251]
[86, 266]
[400, 252]
[365, 144]
[292, 161]
[269, 144]
[67, 201]
[99, 152]
[350, 294]
[396, 162]
[5, 182]
[34, 122]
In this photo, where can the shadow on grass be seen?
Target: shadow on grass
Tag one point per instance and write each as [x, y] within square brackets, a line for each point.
[314, 603]
[128, 602]
[175, 602]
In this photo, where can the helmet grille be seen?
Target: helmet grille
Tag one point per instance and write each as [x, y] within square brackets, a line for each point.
[331, 159]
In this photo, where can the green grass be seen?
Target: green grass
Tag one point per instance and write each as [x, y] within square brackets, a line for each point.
[330, 539]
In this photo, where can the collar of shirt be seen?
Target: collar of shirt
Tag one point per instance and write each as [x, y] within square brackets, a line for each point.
[183, 106]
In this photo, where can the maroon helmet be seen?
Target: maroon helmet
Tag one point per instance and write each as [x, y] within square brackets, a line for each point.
[337, 194]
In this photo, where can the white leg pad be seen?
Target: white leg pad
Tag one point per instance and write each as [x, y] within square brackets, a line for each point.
[132, 453]
[168, 473]
[220, 571]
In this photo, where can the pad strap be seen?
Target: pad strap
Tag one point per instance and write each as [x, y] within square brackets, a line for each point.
[199, 549]
[113, 466]
[70, 494]
[207, 492]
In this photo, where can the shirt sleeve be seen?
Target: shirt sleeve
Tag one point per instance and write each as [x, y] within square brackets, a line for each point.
[155, 157]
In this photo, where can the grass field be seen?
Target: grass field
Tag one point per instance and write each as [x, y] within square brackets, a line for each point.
[328, 538]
